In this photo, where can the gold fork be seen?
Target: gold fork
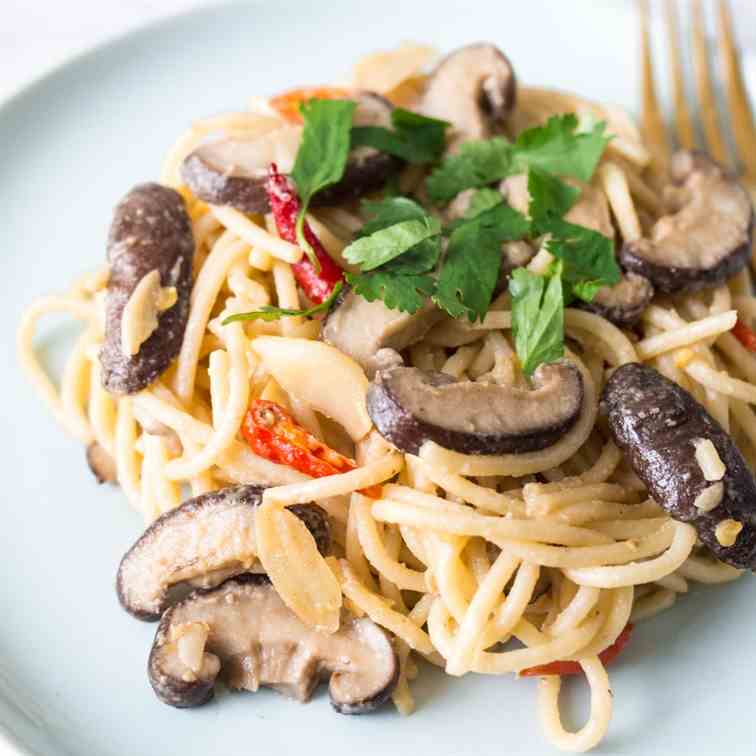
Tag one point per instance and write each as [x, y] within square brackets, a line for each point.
[742, 157]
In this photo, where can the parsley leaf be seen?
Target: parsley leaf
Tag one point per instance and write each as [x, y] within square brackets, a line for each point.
[268, 312]
[556, 147]
[476, 164]
[587, 260]
[587, 257]
[549, 196]
[322, 154]
[388, 211]
[483, 199]
[415, 138]
[384, 245]
[537, 318]
[559, 148]
[473, 260]
[407, 293]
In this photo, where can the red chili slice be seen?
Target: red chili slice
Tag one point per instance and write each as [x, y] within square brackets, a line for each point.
[744, 335]
[284, 202]
[563, 668]
[272, 433]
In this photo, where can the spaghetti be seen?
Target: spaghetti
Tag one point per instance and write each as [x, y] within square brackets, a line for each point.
[557, 549]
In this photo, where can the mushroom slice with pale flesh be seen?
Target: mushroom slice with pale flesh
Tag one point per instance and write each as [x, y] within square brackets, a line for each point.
[150, 251]
[623, 303]
[202, 542]
[706, 237]
[688, 462]
[474, 88]
[233, 171]
[409, 407]
[361, 329]
[243, 631]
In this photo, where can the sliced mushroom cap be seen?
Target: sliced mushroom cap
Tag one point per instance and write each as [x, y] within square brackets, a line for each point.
[409, 407]
[361, 329]
[101, 464]
[474, 88]
[204, 541]
[705, 239]
[150, 251]
[233, 171]
[243, 630]
[623, 303]
[659, 426]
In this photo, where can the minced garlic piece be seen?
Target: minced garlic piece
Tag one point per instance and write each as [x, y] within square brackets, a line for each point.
[727, 532]
[710, 498]
[190, 644]
[140, 315]
[708, 459]
[683, 357]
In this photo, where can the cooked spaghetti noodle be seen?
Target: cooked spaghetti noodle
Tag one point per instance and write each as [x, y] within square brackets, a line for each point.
[461, 555]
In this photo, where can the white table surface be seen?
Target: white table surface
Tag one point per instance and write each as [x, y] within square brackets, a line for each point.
[37, 36]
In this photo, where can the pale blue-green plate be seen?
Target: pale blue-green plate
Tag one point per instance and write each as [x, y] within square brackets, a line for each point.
[72, 663]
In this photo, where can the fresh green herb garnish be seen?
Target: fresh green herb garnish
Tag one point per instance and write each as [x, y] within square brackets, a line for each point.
[482, 199]
[407, 293]
[400, 283]
[556, 147]
[537, 318]
[476, 164]
[388, 211]
[415, 138]
[268, 312]
[399, 249]
[382, 246]
[471, 268]
[549, 197]
[586, 257]
[322, 154]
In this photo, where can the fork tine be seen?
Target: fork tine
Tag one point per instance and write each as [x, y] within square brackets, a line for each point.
[706, 100]
[686, 134]
[737, 97]
[652, 123]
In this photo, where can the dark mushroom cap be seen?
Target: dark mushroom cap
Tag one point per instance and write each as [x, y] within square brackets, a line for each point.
[151, 231]
[361, 329]
[409, 407]
[233, 171]
[474, 88]
[705, 239]
[202, 542]
[623, 303]
[243, 629]
[658, 424]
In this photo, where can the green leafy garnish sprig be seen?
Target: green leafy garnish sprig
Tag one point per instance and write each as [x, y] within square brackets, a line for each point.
[557, 148]
[414, 138]
[322, 155]
[269, 312]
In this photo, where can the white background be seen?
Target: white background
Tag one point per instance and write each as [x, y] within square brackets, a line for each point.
[36, 36]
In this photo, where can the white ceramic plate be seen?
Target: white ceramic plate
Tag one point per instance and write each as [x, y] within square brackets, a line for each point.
[72, 663]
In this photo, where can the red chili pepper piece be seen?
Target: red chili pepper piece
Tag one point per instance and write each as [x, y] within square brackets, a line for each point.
[284, 202]
[272, 433]
[563, 668]
[287, 103]
[744, 335]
